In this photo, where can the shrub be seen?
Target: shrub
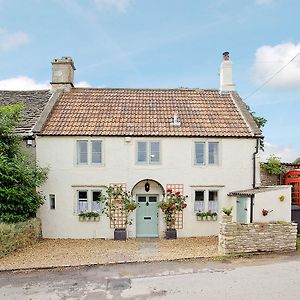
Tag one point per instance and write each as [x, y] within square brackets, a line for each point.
[19, 235]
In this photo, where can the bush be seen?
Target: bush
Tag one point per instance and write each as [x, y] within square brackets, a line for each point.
[19, 175]
[19, 235]
[273, 165]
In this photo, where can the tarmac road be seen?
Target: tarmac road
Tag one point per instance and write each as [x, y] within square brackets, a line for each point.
[260, 277]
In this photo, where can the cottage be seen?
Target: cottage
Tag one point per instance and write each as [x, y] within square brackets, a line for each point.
[200, 142]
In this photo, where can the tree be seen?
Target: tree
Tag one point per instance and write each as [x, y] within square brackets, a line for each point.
[260, 122]
[19, 175]
[297, 161]
[273, 165]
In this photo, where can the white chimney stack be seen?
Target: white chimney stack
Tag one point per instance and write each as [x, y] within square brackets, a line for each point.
[226, 84]
[62, 73]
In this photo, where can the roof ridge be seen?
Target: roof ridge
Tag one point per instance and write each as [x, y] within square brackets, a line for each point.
[149, 89]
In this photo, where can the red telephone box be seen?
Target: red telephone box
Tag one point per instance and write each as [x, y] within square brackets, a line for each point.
[293, 178]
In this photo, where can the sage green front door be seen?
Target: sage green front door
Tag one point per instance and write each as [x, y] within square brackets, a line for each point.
[147, 216]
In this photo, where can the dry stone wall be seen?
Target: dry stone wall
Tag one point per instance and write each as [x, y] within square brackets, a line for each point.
[256, 237]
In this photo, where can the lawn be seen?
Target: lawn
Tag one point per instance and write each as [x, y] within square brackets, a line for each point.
[298, 243]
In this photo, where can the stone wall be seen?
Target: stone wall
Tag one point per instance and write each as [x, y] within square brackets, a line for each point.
[256, 237]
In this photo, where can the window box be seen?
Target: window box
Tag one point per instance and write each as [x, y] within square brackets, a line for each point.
[89, 216]
[206, 216]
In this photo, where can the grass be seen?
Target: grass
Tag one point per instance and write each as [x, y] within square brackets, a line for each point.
[298, 244]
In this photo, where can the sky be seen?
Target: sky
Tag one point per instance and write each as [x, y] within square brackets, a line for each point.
[164, 44]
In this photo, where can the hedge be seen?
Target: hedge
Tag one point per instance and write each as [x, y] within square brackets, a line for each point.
[19, 235]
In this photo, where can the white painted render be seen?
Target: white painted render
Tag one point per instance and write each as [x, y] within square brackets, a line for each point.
[279, 207]
[234, 172]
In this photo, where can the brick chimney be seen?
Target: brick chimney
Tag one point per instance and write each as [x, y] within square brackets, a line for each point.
[62, 73]
[226, 84]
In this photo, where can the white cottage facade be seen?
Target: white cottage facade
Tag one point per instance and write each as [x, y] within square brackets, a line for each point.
[203, 143]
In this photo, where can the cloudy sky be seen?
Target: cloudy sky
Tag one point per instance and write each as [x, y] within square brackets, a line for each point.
[164, 44]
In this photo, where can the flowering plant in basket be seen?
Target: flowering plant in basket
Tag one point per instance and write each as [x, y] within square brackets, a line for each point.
[173, 203]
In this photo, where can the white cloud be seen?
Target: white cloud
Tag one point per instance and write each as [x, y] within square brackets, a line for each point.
[263, 2]
[82, 84]
[269, 60]
[119, 5]
[12, 40]
[22, 83]
[285, 154]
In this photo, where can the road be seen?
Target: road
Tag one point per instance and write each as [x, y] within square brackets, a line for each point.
[264, 277]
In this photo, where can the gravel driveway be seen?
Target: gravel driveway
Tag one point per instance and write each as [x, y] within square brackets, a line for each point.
[70, 252]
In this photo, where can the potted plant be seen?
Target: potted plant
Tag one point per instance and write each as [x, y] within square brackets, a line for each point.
[214, 215]
[201, 215]
[118, 205]
[227, 217]
[173, 203]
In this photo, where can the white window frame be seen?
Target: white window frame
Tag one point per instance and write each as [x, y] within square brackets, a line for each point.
[206, 161]
[148, 153]
[90, 201]
[89, 153]
[206, 198]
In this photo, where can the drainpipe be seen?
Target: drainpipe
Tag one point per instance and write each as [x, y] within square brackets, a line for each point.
[251, 207]
[254, 179]
[254, 162]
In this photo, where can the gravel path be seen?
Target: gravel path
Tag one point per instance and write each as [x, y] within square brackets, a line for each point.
[69, 252]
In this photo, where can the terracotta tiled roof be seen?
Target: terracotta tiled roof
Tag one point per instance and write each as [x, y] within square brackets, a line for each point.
[34, 102]
[149, 112]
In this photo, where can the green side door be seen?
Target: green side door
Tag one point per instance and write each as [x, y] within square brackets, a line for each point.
[242, 210]
[147, 216]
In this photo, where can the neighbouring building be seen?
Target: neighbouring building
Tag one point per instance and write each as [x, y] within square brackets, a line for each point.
[34, 103]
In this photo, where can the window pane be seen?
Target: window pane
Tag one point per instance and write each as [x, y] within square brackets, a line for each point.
[82, 155]
[82, 201]
[82, 195]
[213, 201]
[142, 152]
[52, 201]
[96, 206]
[199, 201]
[152, 199]
[154, 152]
[141, 199]
[213, 153]
[96, 151]
[199, 153]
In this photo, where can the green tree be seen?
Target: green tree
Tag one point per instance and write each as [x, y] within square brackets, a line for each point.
[273, 165]
[260, 122]
[19, 175]
[297, 161]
